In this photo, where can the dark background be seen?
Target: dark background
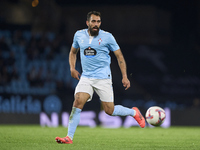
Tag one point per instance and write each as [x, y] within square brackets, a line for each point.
[160, 41]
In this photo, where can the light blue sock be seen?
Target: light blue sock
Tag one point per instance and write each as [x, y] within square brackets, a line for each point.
[123, 111]
[73, 121]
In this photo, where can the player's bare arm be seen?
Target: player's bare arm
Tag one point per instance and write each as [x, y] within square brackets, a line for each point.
[72, 62]
[122, 66]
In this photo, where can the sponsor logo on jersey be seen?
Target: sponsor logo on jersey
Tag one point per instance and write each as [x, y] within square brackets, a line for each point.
[90, 52]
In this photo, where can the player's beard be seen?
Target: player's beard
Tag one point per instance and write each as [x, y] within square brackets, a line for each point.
[93, 32]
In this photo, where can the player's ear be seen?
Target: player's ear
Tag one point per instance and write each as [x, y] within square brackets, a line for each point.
[87, 23]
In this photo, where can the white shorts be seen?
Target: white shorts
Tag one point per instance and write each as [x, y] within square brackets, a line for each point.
[103, 88]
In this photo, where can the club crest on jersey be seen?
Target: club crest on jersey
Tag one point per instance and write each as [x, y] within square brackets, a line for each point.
[100, 40]
[90, 52]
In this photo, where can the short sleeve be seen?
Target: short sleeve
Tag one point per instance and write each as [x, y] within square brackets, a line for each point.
[113, 46]
[75, 41]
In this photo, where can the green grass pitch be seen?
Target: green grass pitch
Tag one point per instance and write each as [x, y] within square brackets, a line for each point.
[30, 137]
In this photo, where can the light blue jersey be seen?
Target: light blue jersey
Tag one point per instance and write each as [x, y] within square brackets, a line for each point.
[94, 53]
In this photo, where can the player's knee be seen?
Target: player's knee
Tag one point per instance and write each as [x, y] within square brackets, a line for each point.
[78, 103]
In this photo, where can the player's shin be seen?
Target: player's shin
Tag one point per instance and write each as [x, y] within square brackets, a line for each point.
[73, 121]
[122, 111]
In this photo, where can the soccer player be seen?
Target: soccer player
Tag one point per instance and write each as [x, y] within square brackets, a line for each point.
[94, 45]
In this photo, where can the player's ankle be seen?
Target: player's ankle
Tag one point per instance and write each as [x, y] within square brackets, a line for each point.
[134, 113]
[70, 137]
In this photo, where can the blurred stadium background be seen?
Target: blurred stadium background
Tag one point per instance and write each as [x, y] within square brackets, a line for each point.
[160, 42]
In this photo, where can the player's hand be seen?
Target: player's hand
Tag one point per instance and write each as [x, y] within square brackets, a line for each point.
[126, 83]
[75, 74]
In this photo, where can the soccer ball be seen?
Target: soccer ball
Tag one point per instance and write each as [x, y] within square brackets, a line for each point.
[155, 116]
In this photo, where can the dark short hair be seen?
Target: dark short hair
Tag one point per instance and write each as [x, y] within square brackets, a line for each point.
[96, 13]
